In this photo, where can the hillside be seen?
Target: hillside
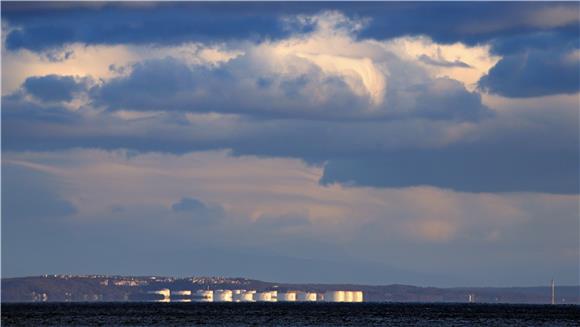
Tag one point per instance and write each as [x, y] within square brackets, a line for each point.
[68, 288]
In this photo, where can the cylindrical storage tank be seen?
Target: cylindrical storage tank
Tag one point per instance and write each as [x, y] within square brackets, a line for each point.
[204, 295]
[334, 296]
[287, 297]
[273, 296]
[311, 297]
[248, 296]
[348, 296]
[306, 296]
[358, 296]
[222, 296]
[165, 292]
[268, 296]
[263, 296]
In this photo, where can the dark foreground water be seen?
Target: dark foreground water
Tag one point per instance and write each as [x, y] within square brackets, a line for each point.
[292, 314]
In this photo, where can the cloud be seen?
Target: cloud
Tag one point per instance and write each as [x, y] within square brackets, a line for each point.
[534, 64]
[188, 204]
[324, 94]
[102, 62]
[308, 76]
[175, 23]
[160, 24]
[360, 74]
[53, 88]
[200, 211]
[531, 146]
[534, 73]
[468, 169]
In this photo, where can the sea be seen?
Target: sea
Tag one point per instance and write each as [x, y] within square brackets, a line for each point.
[287, 314]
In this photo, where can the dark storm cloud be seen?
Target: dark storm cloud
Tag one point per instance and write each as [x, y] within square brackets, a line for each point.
[45, 26]
[53, 87]
[555, 40]
[164, 23]
[474, 169]
[534, 73]
[535, 64]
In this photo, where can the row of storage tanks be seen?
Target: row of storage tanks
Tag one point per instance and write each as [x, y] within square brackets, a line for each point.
[276, 296]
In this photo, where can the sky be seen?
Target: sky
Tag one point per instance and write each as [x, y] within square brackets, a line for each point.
[433, 144]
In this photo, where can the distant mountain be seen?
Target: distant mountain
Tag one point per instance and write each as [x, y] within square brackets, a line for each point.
[91, 288]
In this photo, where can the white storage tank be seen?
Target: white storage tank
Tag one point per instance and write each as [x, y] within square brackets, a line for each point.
[348, 296]
[165, 292]
[268, 296]
[306, 296]
[334, 296]
[222, 296]
[204, 295]
[248, 296]
[287, 297]
[358, 296]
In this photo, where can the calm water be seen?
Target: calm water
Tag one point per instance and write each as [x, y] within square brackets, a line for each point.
[293, 314]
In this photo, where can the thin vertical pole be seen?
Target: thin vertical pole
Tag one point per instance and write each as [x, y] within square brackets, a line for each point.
[553, 293]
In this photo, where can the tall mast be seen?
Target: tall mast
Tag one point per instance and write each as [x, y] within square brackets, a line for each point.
[553, 293]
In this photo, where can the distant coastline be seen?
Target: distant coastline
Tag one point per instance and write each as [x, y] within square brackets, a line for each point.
[105, 288]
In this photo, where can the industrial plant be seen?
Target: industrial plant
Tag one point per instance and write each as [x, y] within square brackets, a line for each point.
[223, 295]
